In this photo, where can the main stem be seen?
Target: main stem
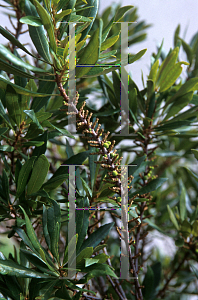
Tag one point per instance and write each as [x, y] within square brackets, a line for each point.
[112, 167]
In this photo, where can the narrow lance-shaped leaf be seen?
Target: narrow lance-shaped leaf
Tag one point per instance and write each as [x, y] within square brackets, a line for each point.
[47, 22]
[37, 34]
[90, 52]
[39, 174]
[8, 267]
[171, 76]
[13, 105]
[32, 236]
[91, 12]
[172, 217]
[95, 238]
[20, 90]
[7, 55]
[24, 175]
[13, 40]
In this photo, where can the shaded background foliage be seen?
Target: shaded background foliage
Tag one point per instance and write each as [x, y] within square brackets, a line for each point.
[34, 185]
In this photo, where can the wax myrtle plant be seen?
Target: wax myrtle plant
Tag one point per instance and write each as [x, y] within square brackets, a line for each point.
[35, 109]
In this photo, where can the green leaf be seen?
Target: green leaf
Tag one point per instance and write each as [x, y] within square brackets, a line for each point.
[121, 11]
[38, 262]
[4, 115]
[195, 152]
[54, 182]
[85, 253]
[182, 203]
[172, 217]
[170, 77]
[45, 228]
[177, 106]
[5, 186]
[109, 42]
[99, 270]
[13, 105]
[8, 267]
[61, 130]
[148, 284]
[31, 20]
[14, 70]
[37, 34]
[185, 229]
[153, 71]
[3, 130]
[32, 236]
[70, 245]
[24, 175]
[13, 40]
[189, 86]
[151, 186]
[166, 66]
[39, 174]
[30, 113]
[188, 50]
[53, 226]
[19, 89]
[90, 53]
[195, 228]
[58, 17]
[47, 22]
[7, 55]
[97, 236]
[82, 222]
[91, 12]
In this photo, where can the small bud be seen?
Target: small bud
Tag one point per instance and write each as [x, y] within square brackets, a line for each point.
[105, 155]
[119, 199]
[106, 145]
[90, 129]
[115, 173]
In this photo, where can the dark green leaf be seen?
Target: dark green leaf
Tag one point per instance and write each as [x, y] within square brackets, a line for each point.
[13, 40]
[90, 53]
[24, 175]
[172, 217]
[32, 236]
[148, 284]
[39, 174]
[91, 12]
[7, 55]
[82, 222]
[47, 22]
[33, 117]
[8, 267]
[37, 34]
[151, 186]
[97, 236]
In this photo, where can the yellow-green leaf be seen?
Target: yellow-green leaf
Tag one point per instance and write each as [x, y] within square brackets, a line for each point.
[109, 42]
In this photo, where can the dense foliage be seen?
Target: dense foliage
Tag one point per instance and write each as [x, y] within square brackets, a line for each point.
[36, 151]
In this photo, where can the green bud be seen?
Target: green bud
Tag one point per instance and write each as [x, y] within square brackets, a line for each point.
[115, 173]
[90, 129]
[119, 199]
[106, 145]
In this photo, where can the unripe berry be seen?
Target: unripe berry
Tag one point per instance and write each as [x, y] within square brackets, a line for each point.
[115, 173]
